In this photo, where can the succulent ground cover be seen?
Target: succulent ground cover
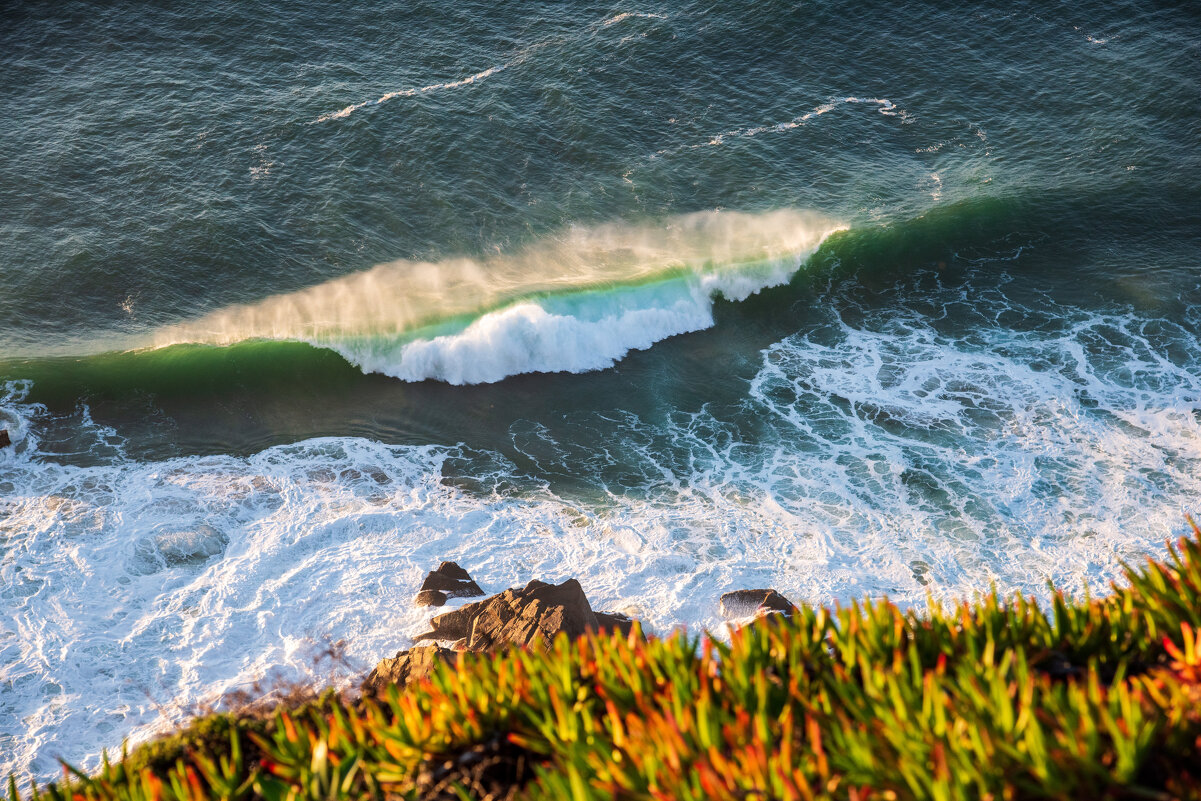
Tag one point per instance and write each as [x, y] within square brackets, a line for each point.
[991, 699]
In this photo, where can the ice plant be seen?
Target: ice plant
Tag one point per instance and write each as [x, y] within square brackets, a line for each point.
[993, 699]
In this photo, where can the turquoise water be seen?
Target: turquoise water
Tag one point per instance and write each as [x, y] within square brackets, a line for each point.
[675, 298]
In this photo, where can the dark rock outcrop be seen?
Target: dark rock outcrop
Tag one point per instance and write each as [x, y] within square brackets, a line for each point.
[430, 598]
[453, 580]
[5, 441]
[529, 617]
[453, 625]
[748, 603]
[532, 617]
[405, 667]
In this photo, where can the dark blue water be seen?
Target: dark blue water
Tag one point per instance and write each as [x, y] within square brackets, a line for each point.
[675, 298]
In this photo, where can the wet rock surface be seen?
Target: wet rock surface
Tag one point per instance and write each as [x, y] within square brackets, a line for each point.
[751, 603]
[528, 617]
[430, 598]
[452, 580]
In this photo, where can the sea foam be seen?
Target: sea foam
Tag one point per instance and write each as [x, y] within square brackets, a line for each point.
[889, 456]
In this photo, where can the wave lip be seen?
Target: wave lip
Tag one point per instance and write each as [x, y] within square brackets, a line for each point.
[527, 338]
[575, 302]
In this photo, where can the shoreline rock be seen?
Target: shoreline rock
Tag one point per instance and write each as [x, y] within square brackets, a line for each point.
[741, 604]
[411, 665]
[430, 598]
[450, 580]
[527, 617]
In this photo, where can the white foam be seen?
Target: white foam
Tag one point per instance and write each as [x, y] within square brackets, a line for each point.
[520, 57]
[433, 87]
[884, 106]
[616, 18]
[882, 457]
[527, 338]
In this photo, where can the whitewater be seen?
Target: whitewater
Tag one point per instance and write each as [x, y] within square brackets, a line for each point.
[886, 458]
[576, 302]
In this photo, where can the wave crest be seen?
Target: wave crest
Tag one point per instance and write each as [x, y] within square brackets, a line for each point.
[575, 302]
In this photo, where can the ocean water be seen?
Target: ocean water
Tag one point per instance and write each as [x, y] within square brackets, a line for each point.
[674, 298]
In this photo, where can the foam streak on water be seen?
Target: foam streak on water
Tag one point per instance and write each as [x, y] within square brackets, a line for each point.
[879, 457]
[519, 58]
[433, 87]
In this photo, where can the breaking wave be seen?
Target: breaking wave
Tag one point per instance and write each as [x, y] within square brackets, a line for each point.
[577, 302]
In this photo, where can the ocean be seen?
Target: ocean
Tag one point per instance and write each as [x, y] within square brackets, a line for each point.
[299, 299]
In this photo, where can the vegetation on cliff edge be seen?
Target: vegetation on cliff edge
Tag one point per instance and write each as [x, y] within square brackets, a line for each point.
[992, 699]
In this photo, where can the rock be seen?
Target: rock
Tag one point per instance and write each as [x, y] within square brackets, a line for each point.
[452, 580]
[614, 621]
[531, 616]
[5, 441]
[749, 603]
[430, 598]
[455, 625]
[405, 667]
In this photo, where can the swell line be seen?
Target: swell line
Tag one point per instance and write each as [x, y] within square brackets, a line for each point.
[479, 76]
[884, 106]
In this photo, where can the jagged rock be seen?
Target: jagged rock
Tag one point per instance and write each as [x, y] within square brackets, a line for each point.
[454, 625]
[430, 598]
[749, 603]
[530, 616]
[452, 580]
[614, 621]
[5, 441]
[405, 667]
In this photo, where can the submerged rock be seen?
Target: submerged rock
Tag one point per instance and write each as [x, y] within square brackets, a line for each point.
[749, 603]
[452, 580]
[430, 598]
